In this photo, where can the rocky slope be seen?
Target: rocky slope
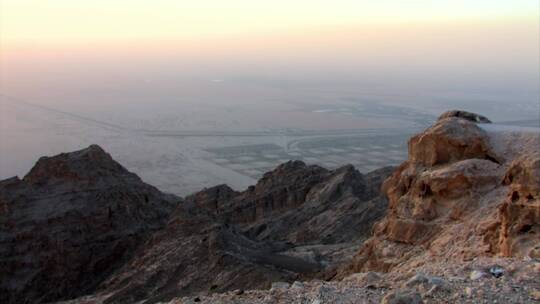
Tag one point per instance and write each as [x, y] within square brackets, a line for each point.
[81, 224]
[70, 222]
[297, 222]
[458, 282]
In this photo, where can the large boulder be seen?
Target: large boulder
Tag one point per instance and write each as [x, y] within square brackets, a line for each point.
[450, 140]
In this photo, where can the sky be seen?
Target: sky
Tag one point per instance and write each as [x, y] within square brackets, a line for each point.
[490, 44]
[102, 23]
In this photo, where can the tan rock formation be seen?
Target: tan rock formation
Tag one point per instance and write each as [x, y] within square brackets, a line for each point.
[462, 193]
[520, 213]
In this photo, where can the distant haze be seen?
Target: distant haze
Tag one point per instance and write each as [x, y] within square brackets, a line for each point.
[60, 48]
[277, 67]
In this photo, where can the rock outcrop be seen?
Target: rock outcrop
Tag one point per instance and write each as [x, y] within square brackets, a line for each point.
[450, 140]
[465, 115]
[465, 191]
[70, 222]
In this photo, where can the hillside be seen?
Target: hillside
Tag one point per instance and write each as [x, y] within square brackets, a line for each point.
[80, 224]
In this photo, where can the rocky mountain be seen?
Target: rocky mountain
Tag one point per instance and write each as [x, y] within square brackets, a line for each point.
[297, 222]
[80, 224]
[70, 223]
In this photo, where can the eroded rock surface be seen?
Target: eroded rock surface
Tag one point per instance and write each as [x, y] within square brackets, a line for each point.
[70, 222]
[297, 222]
[464, 192]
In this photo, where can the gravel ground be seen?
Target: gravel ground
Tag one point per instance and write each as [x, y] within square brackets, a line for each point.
[518, 281]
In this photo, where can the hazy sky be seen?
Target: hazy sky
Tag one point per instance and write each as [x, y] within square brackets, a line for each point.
[250, 65]
[58, 45]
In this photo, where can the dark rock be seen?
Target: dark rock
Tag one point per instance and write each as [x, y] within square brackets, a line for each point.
[70, 222]
[496, 271]
[238, 292]
[246, 237]
[79, 223]
[402, 297]
[465, 115]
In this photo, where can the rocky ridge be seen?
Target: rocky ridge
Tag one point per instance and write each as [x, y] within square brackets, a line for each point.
[70, 222]
[80, 224]
[297, 222]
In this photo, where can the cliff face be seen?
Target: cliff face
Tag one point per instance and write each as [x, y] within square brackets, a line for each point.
[467, 190]
[308, 204]
[70, 223]
[519, 214]
[298, 221]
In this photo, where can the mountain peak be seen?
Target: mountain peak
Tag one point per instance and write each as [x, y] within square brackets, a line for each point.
[89, 164]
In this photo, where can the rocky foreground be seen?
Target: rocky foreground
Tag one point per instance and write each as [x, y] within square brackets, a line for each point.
[458, 222]
[456, 282]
